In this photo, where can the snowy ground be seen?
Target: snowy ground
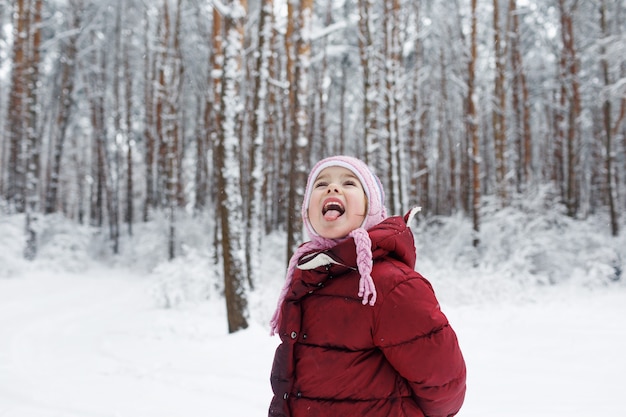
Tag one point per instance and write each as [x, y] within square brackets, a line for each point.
[95, 345]
[93, 340]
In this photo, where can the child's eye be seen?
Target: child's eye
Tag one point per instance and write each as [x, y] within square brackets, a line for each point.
[350, 182]
[320, 184]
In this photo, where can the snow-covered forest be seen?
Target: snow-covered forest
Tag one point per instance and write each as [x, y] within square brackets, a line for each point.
[120, 115]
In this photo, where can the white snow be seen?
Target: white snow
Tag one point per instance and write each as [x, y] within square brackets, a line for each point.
[540, 318]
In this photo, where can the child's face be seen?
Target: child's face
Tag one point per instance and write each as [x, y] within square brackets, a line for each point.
[338, 203]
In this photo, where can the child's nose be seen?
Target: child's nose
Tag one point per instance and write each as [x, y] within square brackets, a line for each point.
[332, 188]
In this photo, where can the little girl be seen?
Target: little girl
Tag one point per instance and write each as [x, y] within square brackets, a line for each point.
[361, 331]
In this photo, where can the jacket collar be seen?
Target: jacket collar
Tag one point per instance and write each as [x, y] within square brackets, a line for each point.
[390, 237]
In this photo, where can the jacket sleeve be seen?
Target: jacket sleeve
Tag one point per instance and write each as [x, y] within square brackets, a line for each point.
[417, 340]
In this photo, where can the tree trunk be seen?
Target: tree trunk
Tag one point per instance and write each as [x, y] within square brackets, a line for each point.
[472, 120]
[214, 133]
[204, 127]
[499, 107]
[149, 123]
[369, 84]
[17, 107]
[130, 140]
[66, 90]
[418, 168]
[609, 156]
[520, 103]
[569, 71]
[34, 140]
[116, 111]
[168, 121]
[228, 155]
[95, 93]
[257, 132]
[299, 140]
[392, 85]
[442, 180]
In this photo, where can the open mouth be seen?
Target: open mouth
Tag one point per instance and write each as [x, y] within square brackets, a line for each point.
[333, 209]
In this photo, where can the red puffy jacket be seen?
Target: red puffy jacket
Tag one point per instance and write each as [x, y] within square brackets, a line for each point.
[399, 358]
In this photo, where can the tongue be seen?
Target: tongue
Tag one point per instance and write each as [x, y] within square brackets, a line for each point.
[332, 215]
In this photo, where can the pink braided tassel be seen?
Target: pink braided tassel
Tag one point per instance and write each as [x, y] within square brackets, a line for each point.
[363, 243]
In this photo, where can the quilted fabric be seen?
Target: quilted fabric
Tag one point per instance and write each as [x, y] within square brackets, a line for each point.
[338, 357]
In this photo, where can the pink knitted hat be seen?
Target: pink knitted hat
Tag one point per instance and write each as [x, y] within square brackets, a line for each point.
[375, 214]
[371, 185]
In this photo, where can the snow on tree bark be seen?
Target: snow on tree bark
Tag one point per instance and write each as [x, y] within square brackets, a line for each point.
[228, 152]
